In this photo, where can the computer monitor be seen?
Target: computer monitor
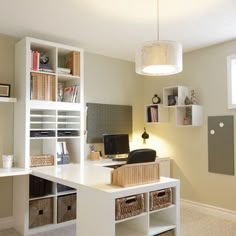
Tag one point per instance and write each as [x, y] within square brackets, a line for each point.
[115, 145]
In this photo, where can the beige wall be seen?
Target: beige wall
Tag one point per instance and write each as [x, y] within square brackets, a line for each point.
[204, 70]
[112, 81]
[6, 120]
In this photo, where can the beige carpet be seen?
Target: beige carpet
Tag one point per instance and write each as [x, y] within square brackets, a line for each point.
[193, 223]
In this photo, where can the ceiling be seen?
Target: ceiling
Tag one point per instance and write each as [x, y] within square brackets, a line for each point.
[116, 27]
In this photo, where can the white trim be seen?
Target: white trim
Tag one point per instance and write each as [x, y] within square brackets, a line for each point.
[6, 223]
[211, 210]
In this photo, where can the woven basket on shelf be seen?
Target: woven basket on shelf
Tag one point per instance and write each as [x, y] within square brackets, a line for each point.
[160, 198]
[133, 174]
[41, 160]
[129, 206]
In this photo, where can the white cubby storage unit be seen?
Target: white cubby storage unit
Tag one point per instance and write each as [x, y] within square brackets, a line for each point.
[43, 117]
[186, 115]
[155, 113]
[147, 223]
[194, 119]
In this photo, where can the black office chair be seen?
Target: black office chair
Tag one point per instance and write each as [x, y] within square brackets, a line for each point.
[141, 155]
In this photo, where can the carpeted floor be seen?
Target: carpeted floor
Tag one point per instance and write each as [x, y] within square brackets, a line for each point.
[193, 223]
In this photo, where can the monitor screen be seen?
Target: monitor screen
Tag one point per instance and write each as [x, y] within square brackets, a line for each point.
[115, 144]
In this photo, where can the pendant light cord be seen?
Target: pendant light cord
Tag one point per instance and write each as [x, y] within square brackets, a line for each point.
[157, 20]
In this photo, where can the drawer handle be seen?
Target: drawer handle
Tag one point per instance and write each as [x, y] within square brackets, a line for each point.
[131, 199]
[161, 194]
[40, 212]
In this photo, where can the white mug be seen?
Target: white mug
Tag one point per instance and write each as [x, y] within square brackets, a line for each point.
[7, 161]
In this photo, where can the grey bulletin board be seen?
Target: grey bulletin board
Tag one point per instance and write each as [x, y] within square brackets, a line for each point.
[107, 119]
[221, 144]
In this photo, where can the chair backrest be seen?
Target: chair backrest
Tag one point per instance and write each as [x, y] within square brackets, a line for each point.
[141, 155]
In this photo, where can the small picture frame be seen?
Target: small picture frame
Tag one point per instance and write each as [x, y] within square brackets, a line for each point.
[5, 90]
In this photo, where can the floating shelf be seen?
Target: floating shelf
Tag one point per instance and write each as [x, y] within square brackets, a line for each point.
[3, 99]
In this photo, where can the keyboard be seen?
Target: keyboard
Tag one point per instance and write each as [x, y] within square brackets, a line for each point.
[120, 159]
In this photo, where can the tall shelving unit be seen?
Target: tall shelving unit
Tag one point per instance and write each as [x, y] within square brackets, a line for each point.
[50, 118]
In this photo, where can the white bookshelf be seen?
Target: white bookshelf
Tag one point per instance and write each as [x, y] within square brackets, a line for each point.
[45, 115]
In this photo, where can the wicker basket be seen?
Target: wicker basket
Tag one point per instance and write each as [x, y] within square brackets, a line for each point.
[167, 233]
[40, 212]
[160, 198]
[133, 174]
[42, 160]
[129, 206]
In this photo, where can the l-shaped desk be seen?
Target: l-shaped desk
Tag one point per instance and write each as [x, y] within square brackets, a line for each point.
[96, 201]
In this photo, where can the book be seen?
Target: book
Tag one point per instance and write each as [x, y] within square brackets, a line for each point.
[73, 62]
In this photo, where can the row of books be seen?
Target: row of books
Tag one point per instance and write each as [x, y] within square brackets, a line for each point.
[42, 87]
[71, 94]
[152, 114]
[36, 65]
[72, 63]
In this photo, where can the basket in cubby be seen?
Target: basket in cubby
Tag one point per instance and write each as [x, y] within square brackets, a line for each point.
[160, 198]
[41, 160]
[167, 233]
[129, 206]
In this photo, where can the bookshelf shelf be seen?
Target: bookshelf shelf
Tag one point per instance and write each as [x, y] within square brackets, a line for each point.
[42, 118]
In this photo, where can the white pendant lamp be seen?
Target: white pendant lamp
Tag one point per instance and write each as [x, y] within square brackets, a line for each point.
[159, 57]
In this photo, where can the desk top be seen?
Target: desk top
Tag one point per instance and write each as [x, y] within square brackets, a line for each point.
[96, 177]
[14, 172]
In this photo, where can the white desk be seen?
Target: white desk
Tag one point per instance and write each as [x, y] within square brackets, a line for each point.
[164, 164]
[14, 172]
[96, 201]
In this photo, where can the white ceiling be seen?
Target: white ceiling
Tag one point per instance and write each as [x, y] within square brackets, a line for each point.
[116, 28]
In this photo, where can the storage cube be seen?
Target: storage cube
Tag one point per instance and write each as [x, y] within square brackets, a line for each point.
[40, 212]
[66, 208]
[160, 198]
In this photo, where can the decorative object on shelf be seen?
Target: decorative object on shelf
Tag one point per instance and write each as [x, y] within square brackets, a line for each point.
[156, 99]
[188, 116]
[7, 161]
[187, 101]
[145, 135]
[193, 97]
[171, 100]
[5, 90]
[43, 58]
[159, 57]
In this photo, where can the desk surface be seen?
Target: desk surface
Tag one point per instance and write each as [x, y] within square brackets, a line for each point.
[90, 175]
[109, 162]
[14, 172]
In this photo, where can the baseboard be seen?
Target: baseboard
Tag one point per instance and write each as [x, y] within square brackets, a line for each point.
[211, 210]
[6, 223]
